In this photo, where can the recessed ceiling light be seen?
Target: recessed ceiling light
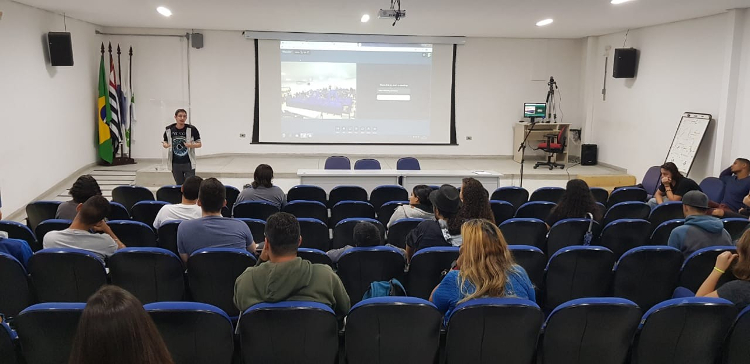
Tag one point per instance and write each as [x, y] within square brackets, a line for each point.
[616, 2]
[365, 18]
[544, 22]
[164, 11]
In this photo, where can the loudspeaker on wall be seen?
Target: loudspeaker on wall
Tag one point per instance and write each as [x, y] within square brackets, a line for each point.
[626, 63]
[60, 48]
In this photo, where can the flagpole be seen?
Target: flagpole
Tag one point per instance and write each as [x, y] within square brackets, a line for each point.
[114, 146]
[121, 110]
[130, 112]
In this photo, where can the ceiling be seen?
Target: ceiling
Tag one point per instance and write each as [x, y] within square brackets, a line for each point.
[476, 18]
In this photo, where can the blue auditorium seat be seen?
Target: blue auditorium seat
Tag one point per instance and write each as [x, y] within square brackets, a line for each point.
[170, 194]
[15, 292]
[427, 268]
[133, 233]
[535, 209]
[307, 209]
[46, 331]
[260, 210]
[358, 267]
[698, 266]
[130, 195]
[307, 193]
[400, 229]
[569, 232]
[524, 231]
[314, 234]
[647, 275]
[346, 193]
[150, 274]
[387, 193]
[212, 273]
[620, 236]
[343, 232]
[577, 272]
[517, 196]
[66, 275]
[146, 211]
[315, 256]
[39, 211]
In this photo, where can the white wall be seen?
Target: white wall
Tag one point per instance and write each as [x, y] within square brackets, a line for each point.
[47, 114]
[740, 145]
[493, 79]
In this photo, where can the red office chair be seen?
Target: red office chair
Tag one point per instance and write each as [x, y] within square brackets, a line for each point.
[555, 144]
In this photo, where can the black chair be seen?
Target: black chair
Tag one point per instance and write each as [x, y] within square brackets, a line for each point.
[167, 234]
[50, 225]
[669, 210]
[524, 232]
[130, 195]
[118, 211]
[393, 330]
[349, 209]
[314, 234]
[627, 210]
[547, 194]
[382, 194]
[590, 330]
[577, 272]
[195, 333]
[343, 232]
[736, 350]
[19, 231]
[346, 193]
[622, 235]
[307, 209]
[535, 210]
[569, 232]
[517, 196]
[554, 144]
[309, 331]
[683, 330]
[734, 226]
[647, 275]
[337, 162]
[38, 211]
[7, 344]
[15, 293]
[307, 193]
[533, 261]
[146, 211]
[502, 210]
[359, 267]
[46, 331]
[211, 276]
[133, 234]
[624, 194]
[150, 274]
[254, 210]
[399, 230]
[386, 211]
[170, 194]
[367, 163]
[698, 266]
[66, 275]
[600, 195]
[232, 194]
[407, 163]
[315, 256]
[257, 228]
[660, 235]
[428, 267]
[477, 331]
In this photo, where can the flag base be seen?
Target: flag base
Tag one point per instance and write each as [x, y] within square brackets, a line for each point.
[118, 161]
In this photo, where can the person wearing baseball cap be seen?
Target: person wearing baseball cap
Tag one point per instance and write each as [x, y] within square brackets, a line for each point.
[700, 230]
[445, 230]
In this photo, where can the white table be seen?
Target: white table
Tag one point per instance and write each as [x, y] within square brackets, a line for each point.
[369, 179]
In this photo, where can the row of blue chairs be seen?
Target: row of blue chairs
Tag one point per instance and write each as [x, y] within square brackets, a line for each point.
[408, 330]
[342, 162]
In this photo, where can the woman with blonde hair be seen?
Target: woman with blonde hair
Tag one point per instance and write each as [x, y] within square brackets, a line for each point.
[486, 269]
[737, 291]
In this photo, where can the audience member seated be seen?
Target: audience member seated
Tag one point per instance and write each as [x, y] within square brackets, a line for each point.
[114, 328]
[737, 291]
[475, 201]
[90, 217]
[576, 202]
[212, 230]
[486, 269]
[737, 187]
[445, 230]
[262, 189]
[83, 188]
[188, 209]
[16, 248]
[365, 234]
[673, 185]
[280, 275]
[700, 230]
[419, 206]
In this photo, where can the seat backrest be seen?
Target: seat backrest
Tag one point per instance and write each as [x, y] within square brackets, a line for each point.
[50, 225]
[549, 194]
[600, 195]
[146, 211]
[569, 232]
[257, 228]
[407, 164]
[358, 267]
[669, 210]
[367, 164]
[167, 234]
[315, 256]
[194, 332]
[577, 272]
[7, 344]
[736, 350]
[660, 235]
[477, 331]
[407, 331]
[350, 209]
[254, 210]
[38, 211]
[343, 232]
[524, 231]
[171, 194]
[427, 268]
[346, 193]
[337, 162]
[232, 194]
[683, 330]
[130, 195]
[622, 235]
[387, 193]
[307, 192]
[627, 210]
[562, 137]
[211, 276]
[118, 212]
[698, 266]
[734, 226]
[16, 230]
[590, 330]
[533, 261]
[15, 293]
[314, 234]
[307, 209]
[624, 194]
[386, 211]
[647, 275]
[308, 330]
[66, 275]
[46, 331]
[535, 209]
[400, 229]
[713, 188]
[133, 233]
[502, 210]
[651, 179]
[517, 196]
[150, 274]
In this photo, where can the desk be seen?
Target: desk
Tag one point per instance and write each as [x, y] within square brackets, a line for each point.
[538, 136]
[369, 179]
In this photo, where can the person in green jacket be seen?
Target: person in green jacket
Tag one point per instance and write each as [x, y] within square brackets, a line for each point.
[280, 275]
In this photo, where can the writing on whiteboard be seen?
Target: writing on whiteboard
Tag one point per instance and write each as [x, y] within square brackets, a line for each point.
[687, 140]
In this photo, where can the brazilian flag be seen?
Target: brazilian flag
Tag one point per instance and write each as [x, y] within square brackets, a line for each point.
[106, 152]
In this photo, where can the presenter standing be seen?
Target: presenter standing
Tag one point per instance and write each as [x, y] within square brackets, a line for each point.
[183, 139]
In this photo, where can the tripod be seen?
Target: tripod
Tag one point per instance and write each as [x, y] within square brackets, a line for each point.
[551, 103]
[522, 148]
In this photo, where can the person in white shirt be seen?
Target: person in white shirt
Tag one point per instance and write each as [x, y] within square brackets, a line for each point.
[188, 209]
[90, 216]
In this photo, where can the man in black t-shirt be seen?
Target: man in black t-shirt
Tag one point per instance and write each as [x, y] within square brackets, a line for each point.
[183, 139]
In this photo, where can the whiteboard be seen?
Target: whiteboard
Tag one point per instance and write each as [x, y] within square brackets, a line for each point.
[687, 140]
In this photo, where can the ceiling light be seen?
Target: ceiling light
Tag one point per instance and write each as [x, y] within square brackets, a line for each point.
[544, 22]
[616, 2]
[164, 11]
[365, 18]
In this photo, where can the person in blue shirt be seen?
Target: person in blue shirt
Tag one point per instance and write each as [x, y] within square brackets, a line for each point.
[736, 180]
[485, 269]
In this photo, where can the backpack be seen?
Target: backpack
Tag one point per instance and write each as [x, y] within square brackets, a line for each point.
[384, 289]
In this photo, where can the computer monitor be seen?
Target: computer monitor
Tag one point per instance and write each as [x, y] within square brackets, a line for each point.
[534, 110]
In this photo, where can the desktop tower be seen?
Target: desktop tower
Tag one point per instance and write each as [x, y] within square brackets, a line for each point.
[589, 154]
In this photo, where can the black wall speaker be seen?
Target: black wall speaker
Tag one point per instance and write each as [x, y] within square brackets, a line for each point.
[60, 48]
[626, 63]
[589, 154]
